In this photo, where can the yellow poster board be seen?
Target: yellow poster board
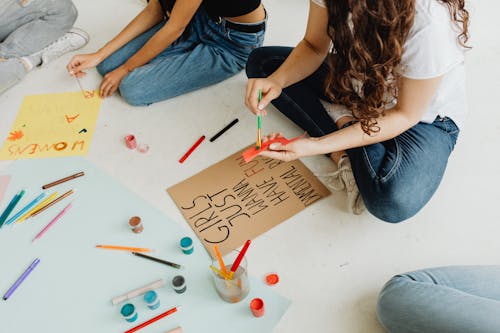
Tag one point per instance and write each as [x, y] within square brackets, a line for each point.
[52, 125]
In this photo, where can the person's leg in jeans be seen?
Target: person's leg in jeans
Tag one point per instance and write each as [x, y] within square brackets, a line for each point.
[456, 299]
[27, 26]
[12, 71]
[393, 177]
[396, 178]
[201, 58]
[119, 57]
[154, 81]
[299, 102]
[172, 75]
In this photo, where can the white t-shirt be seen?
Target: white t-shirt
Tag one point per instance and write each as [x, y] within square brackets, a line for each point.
[432, 50]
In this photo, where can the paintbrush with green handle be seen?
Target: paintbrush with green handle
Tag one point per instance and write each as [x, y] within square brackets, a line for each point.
[259, 124]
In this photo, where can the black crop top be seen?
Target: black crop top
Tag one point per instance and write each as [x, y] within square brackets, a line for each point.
[222, 8]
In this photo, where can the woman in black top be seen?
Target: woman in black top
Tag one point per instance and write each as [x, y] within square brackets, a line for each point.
[174, 47]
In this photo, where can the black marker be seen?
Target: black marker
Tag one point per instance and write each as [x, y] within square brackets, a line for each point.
[222, 131]
[171, 264]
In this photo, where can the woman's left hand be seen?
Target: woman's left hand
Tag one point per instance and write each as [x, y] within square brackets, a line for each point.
[289, 152]
[112, 81]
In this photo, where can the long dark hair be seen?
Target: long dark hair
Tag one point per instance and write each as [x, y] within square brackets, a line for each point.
[370, 53]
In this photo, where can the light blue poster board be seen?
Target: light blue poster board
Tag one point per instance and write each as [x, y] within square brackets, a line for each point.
[71, 289]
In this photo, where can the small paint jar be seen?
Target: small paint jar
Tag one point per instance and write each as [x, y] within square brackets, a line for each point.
[152, 300]
[272, 279]
[179, 284]
[135, 224]
[130, 141]
[143, 148]
[187, 245]
[128, 312]
[257, 307]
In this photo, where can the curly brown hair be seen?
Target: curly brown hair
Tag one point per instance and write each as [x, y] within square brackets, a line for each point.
[365, 56]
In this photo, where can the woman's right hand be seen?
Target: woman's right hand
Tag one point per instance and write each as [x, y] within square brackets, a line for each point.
[81, 62]
[270, 90]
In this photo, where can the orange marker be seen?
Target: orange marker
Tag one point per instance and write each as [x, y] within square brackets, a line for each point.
[123, 248]
[221, 261]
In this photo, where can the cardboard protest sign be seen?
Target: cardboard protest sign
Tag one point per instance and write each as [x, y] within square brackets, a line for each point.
[233, 201]
[52, 125]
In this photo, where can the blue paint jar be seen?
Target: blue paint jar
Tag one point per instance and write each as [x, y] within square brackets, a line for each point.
[187, 245]
[129, 313]
[152, 300]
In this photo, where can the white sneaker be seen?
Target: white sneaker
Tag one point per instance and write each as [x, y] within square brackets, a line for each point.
[72, 40]
[343, 179]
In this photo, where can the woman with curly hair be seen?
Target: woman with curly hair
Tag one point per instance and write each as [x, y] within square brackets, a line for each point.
[380, 87]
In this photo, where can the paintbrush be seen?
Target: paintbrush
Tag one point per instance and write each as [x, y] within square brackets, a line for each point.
[259, 124]
[86, 94]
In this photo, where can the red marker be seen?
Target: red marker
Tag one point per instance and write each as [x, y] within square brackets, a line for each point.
[197, 143]
[238, 259]
[152, 320]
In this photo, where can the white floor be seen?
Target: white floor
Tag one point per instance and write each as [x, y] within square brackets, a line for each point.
[331, 264]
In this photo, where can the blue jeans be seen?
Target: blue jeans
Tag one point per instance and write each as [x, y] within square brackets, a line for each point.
[206, 54]
[457, 299]
[397, 177]
[26, 27]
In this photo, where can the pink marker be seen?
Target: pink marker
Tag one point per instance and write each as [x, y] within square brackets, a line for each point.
[54, 220]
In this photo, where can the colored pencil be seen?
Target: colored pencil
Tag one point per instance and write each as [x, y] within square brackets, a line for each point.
[62, 180]
[10, 207]
[175, 330]
[50, 204]
[152, 320]
[168, 263]
[220, 260]
[28, 214]
[54, 220]
[259, 124]
[222, 131]
[21, 279]
[238, 259]
[123, 248]
[26, 208]
[196, 144]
